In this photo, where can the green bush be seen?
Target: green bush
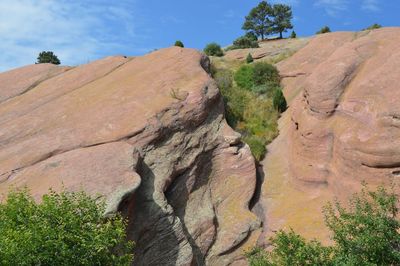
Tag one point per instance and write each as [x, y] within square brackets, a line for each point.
[244, 77]
[251, 35]
[293, 35]
[64, 229]
[323, 30]
[248, 76]
[264, 73]
[47, 57]
[373, 27]
[179, 44]
[245, 42]
[290, 249]
[257, 146]
[249, 59]
[366, 233]
[213, 49]
[224, 79]
[267, 89]
[279, 101]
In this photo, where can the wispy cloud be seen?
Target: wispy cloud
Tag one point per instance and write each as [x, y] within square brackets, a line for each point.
[75, 30]
[333, 7]
[370, 5]
[227, 17]
[286, 2]
[229, 14]
[170, 20]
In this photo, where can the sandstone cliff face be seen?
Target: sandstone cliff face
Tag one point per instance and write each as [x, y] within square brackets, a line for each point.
[342, 126]
[147, 133]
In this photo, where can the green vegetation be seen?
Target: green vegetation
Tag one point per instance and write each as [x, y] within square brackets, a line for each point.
[250, 77]
[244, 77]
[282, 16]
[266, 19]
[279, 101]
[265, 73]
[64, 229]
[250, 35]
[243, 43]
[293, 35]
[373, 27]
[365, 233]
[48, 57]
[247, 94]
[213, 49]
[249, 59]
[323, 30]
[179, 44]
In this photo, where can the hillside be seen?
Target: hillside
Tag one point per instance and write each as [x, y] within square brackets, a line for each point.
[148, 134]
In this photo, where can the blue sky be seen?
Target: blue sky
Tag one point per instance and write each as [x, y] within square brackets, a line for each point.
[79, 31]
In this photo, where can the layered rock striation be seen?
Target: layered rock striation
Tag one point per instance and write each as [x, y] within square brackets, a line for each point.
[342, 127]
[146, 133]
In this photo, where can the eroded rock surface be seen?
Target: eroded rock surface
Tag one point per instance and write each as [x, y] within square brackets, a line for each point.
[269, 49]
[342, 127]
[149, 134]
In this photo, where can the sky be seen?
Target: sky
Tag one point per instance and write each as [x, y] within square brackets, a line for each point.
[80, 31]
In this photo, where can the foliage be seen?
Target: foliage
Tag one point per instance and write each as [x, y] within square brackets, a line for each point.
[279, 101]
[246, 111]
[179, 44]
[250, 35]
[293, 35]
[213, 49]
[257, 146]
[64, 229]
[249, 76]
[265, 19]
[365, 233]
[249, 59]
[244, 42]
[373, 27]
[282, 15]
[323, 30]
[291, 249]
[244, 77]
[264, 72]
[48, 57]
[259, 20]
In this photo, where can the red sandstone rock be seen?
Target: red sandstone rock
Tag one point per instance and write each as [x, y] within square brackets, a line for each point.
[149, 135]
[341, 128]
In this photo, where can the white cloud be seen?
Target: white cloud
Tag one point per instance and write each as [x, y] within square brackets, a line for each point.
[287, 2]
[75, 30]
[370, 5]
[332, 7]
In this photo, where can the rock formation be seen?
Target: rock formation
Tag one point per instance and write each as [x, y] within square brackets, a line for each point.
[342, 127]
[269, 49]
[148, 134]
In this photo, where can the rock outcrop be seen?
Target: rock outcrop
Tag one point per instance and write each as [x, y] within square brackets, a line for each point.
[342, 127]
[273, 50]
[149, 135]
